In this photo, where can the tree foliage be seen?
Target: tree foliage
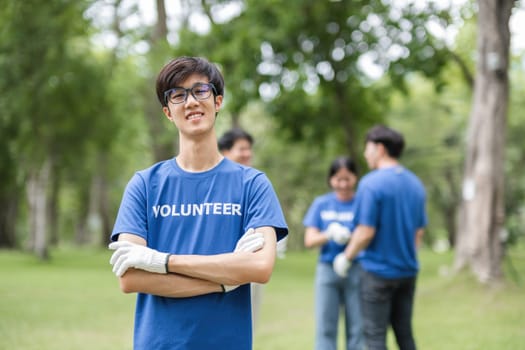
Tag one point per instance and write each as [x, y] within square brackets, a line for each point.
[306, 59]
[298, 76]
[53, 94]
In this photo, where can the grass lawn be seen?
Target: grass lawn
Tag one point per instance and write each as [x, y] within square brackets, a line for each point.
[73, 302]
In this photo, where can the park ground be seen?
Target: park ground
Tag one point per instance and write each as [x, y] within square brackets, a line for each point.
[74, 302]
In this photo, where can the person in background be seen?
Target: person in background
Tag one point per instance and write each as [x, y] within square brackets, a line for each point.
[194, 231]
[328, 224]
[390, 219]
[237, 144]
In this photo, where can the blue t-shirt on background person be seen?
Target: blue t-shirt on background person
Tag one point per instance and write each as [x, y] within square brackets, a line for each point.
[392, 200]
[324, 210]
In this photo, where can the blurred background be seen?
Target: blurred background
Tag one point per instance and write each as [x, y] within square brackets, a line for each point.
[78, 111]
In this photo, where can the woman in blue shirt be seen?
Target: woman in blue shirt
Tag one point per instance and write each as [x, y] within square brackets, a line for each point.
[328, 223]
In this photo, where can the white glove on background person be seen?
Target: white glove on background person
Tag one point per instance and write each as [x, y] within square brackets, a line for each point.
[250, 242]
[341, 265]
[131, 255]
[338, 233]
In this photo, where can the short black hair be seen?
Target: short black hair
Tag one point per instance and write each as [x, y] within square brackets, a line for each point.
[393, 140]
[340, 163]
[229, 138]
[179, 69]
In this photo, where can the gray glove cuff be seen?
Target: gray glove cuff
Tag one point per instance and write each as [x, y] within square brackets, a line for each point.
[159, 263]
[166, 265]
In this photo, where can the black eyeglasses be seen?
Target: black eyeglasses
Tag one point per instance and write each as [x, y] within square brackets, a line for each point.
[199, 91]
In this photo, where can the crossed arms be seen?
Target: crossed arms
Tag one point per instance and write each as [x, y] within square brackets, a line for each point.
[192, 275]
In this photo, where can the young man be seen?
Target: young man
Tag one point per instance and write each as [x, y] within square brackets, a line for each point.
[390, 217]
[179, 230]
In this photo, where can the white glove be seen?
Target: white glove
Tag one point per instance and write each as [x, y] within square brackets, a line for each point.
[131, 255]
[250, 242]
[338, 233]
[281, 247]
[341, 265]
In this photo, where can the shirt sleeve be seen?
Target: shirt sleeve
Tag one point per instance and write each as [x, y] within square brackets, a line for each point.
[367, 207]
[312, 217]
[132, 214]
[263, 207]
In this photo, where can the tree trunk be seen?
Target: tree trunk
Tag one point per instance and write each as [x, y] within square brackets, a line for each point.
[449, 206]
[163, 135]
[38, 215]
[161, 26]
[102, 206]
[347, 122]
[53, 213]
[8, 216]
[82, 231]
[478, 243]
[10, 193]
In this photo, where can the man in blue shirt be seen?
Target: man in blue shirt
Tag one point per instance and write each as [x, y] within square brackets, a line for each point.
[390, 217]
[194, 231]
[236, 144]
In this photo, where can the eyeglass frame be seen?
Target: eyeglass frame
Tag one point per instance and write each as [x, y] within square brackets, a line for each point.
[187, 92]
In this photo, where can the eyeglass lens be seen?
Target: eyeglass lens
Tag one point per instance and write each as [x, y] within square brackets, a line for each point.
[199, 91]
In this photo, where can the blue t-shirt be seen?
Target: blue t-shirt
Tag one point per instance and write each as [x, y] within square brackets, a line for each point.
[201, 213]
[324, 210]
[392, 200]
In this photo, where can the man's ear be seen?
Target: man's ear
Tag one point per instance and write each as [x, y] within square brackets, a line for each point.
[382, 150]
[218, 103]
[167, 113]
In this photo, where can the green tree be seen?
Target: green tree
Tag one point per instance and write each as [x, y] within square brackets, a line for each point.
[482, 212]
[53, 95]
[311, 63]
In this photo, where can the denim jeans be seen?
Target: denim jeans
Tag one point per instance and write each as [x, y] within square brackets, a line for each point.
[333, 293]
[387, 302]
